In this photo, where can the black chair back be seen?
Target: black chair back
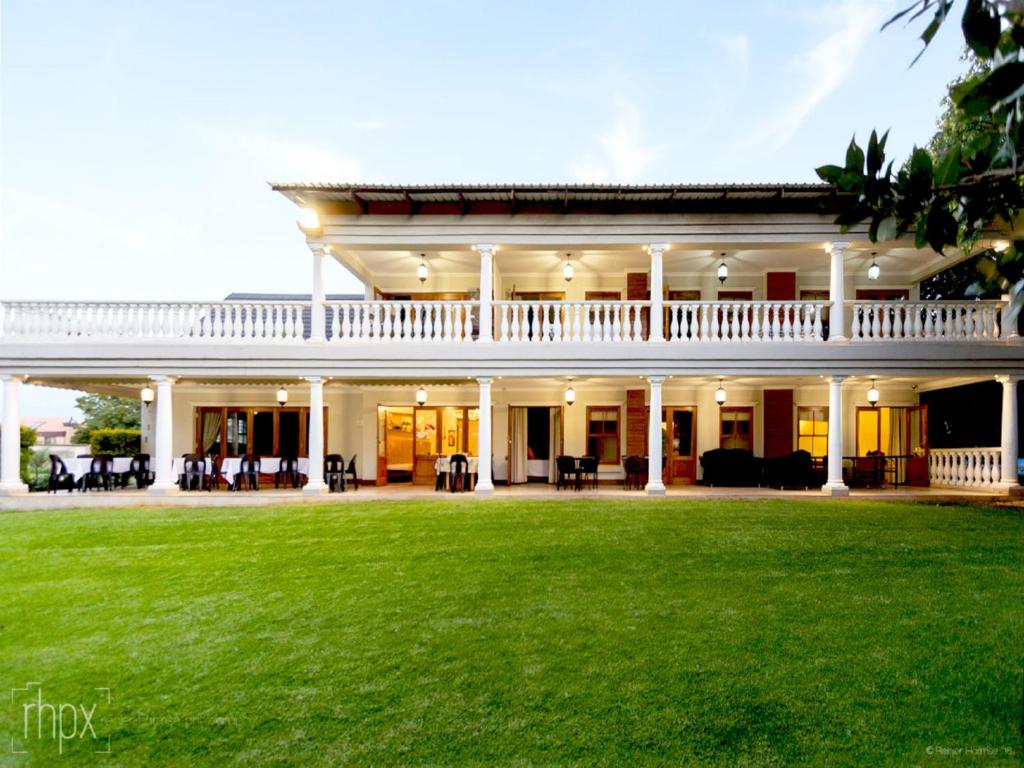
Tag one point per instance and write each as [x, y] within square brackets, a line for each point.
[352, 472]
[333, 462]
[57, 466]
[249, 465]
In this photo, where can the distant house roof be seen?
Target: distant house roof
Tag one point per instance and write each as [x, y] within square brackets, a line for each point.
[467, 199]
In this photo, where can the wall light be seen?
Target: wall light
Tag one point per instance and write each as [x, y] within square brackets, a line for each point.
[421, 270]
[873, 396]
[570, 394]
[1001, 245]
[723, 271]
[309, 220]
[147, 395]
[282, 396]
[874, 271]
[421, 396]
[720, 393]
[567, 271]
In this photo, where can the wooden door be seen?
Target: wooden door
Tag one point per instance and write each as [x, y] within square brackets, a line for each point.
[679, 425]
[778, 422]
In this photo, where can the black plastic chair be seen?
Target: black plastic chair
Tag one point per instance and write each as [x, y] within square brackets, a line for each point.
[334, 472]
[288, 472]
[565, 471]
[587, 467]
[458, 473]
[60, 478]
[216, 474]
[139, 469]
[351, 472]
[248, 473]
[100, 474]
[636, 472]
[193, 472]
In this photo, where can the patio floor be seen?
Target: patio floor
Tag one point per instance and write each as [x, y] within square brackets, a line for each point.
[137, 498]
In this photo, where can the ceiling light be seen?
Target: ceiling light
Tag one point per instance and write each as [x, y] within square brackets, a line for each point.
[147, 395]
[570, 394]
[1001, 245]
[567, 271]
[723, 271]
[874, 271]
[421, 396]
[282, 396]
[720, 393]
[309, 220]
[421, 270]
[873, 395]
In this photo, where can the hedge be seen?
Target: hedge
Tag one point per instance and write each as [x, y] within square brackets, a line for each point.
[115, 441]
[28, 439]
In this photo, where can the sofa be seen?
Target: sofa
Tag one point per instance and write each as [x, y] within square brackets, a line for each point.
[793, 471]
[731, 467]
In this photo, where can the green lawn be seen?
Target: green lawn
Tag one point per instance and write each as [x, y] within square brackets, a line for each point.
[519, 633]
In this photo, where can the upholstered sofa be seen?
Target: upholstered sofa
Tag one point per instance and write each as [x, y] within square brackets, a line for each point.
[731, 467]
[792, 471]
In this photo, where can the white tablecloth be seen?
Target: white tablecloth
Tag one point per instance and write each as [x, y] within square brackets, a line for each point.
[178, 466]
[269, 465]
[443, 465]
[79, 467]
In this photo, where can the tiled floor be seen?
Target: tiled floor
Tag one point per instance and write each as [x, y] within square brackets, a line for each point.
[134, 498]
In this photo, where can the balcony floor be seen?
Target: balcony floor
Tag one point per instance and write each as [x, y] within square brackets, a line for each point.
[538, 492]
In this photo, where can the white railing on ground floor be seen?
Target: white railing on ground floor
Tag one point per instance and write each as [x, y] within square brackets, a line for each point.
[402, 320]
[928, 320]
[570, 321]
[964, 467]
[263, 320]
[706, 321]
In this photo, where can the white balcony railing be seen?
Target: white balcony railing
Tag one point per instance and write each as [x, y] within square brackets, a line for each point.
[964, 467]
[402, 320]
[569, 321]
[251, 321]
[706, 321]
[929, 320]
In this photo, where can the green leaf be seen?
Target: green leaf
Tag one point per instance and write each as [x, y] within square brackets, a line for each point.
[829, 173]
[876, 154]
[988, 93]
[921, 164]
[888, 229]
[948, 170]
[852, 182]
[854, 157]
[981, 28]
[921, 233]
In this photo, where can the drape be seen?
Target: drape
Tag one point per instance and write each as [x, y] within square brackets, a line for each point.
[897, 432]
[554, 443]
[211, 430]
[518, 454]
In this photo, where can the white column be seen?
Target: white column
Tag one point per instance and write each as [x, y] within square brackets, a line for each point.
[834, 485]
[486, 251]
[484, 484]
[1008, 442]
[10, 447]
[161, 461]
[315, 484]
[657, 322]
[316, 314]
[655, 486]
[837, 293]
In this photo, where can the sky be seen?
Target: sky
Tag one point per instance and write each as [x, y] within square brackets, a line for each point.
[137, 138]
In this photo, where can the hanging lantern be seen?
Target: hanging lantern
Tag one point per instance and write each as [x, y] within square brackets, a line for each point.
[421, 396]
[720, 393]
[873, 395]
[282, 396]
[147, 395]
[874, 271]
[567, 271]
[421, 270]
[570, 394]
[723, 271]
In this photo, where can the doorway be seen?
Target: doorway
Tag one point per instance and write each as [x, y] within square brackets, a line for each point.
[535, 439]
[679, 444]
[410, 439]
[901, 434]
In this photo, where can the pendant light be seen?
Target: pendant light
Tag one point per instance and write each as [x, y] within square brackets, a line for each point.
[567, 271]
[147, 395]
[570, 394]
[873, 395]
[874, 271]
[421, 396]
[723, 270]
[720, 393]
[282, 396]
[421, 270]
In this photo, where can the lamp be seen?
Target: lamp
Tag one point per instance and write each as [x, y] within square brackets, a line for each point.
[421, 270]
[567, 271]
[282, 396]
[309, 220]
[723, 271]
[874, 270]
[1001, 246]
[873, 395]
[570, 394]
[147, 395]
[421, 396]
[720, 393]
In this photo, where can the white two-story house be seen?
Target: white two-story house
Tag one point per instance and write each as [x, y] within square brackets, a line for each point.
[518, 323]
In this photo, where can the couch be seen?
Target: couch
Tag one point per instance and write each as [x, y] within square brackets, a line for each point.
[731, 467]
[793, 471]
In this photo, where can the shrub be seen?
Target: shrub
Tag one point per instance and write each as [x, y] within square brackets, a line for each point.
[28, 439]
[116, 441]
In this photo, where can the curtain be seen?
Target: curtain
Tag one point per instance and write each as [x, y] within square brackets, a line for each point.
[211, 430]
[554, 443]
[518, 455]
[897, 432]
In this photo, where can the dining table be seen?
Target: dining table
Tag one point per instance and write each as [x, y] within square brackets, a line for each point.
[81, 466]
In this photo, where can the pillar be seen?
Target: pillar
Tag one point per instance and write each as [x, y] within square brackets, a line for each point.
[834, 485]
[10, 448]
[486, 332]
[484, 484]
[315, 484]
[657, 329]
[1008, 439]
[316, 312]
[837, 293]
[161, 461]
[655, 486]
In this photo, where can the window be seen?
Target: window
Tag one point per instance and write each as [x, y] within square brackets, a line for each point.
[603, 433]
[737, 428]
[263, 431]
[812, 430]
